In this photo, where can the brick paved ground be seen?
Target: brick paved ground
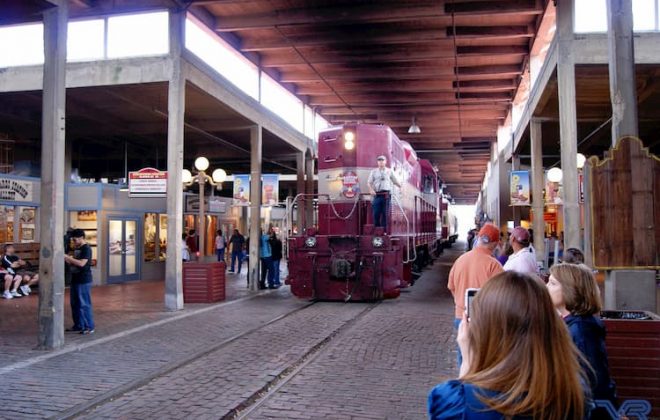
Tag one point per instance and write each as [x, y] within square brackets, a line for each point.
[384, 366]
[117, 308]
[381, 364]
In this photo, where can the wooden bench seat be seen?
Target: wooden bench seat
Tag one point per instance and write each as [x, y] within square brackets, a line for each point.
[28, 252]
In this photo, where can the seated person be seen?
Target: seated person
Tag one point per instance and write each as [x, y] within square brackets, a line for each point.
[16, 266]
[518, 359]
[9, 292]
[575, 294]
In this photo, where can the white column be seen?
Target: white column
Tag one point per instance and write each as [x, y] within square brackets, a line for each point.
[255, 206]
[175, 128]
[309, 182]
[568, 123]
[51, 231]
[537, 189]
[300, 189]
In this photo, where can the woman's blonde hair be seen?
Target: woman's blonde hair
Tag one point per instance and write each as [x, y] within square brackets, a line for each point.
[521, 349]
[580, 289]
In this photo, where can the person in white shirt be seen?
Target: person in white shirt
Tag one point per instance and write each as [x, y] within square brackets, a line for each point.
[522, 260]
[381, 181]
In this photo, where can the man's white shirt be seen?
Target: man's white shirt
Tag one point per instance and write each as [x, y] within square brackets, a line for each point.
[382, 179]
[522, 261]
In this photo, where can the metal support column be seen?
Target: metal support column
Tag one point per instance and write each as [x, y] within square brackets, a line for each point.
[255, 206]
[568, 123]
[515, 166]
[538, 223]
[51, 231]
[175, 128]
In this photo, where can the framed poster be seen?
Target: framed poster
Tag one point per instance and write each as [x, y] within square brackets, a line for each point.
[87, 215]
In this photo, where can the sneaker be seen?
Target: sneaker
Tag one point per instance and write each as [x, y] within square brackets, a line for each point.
[26, 290]
[15, 294]
[87, 332]
[7, 295]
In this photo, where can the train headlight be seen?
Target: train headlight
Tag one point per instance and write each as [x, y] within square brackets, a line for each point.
[377, 242]
[310, 242]
[349, 136]
[349, 145]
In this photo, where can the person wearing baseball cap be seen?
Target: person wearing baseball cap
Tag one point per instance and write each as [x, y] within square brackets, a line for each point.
[381, 181]
[473, 269]
[522, 260]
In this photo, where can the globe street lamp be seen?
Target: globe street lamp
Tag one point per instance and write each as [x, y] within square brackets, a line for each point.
[216, 180]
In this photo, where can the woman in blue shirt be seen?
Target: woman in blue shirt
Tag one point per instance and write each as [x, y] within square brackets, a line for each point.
[518, 358]
[575, 294]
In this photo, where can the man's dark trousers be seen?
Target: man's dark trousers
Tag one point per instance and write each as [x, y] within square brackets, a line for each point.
[381, 206]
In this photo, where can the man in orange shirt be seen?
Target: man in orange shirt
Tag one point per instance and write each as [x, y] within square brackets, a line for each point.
[473, 269]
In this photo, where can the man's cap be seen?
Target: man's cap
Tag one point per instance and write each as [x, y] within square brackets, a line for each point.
[381, 157]
[489, 233]
[520, 234]
[78, 233]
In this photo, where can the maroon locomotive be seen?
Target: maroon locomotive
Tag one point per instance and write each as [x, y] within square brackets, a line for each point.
[337, 253]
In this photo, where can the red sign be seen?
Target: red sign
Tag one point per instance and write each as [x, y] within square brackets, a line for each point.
[350, 187]
[147, 182]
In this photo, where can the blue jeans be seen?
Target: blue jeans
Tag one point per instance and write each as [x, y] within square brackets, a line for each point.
[459, 359]
[267, 269]
[380, 207]
[276, 272]
[81, 306]
[220, 253]
[236, 256]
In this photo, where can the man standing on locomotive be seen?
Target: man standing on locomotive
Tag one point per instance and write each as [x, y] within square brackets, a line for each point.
[380, 183]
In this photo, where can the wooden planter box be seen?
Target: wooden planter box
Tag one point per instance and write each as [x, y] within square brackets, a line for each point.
[203, 282]
[633, 350]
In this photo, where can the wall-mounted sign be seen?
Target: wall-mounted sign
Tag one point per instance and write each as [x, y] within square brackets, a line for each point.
[15, 190]
[520, 188]
[241, 190]
[270, 185]
[147, 182]
[211, 204]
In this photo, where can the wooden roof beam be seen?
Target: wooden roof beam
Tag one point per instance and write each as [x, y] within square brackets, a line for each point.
[529, 7]
[492, 31]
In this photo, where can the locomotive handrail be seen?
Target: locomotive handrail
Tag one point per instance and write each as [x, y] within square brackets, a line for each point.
[408, 235]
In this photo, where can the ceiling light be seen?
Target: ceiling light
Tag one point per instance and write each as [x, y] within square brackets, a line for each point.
[414, 128]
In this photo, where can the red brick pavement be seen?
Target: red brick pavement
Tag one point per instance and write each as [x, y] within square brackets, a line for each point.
[117, 308]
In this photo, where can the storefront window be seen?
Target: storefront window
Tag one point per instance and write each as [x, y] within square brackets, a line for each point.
[27, 224]
[162, 227]
[6, 224]
[150, 236]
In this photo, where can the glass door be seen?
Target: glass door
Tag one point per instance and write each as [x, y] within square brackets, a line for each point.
[123, 262]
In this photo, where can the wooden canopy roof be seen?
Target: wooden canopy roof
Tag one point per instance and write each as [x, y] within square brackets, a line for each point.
[454, 65]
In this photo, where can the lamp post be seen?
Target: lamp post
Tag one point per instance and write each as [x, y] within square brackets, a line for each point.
[216, 180]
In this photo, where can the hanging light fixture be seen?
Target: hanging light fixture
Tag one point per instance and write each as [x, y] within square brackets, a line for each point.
[414, 128]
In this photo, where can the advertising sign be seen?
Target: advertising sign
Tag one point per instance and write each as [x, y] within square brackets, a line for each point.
[520, 193]
[270, 185]
[211, 204]
[15, 190]
[241, 193]
[147, 182]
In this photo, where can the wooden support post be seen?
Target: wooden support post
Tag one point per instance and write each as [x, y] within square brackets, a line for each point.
[623, 89]
[175, 128]
[300, 186]
[309, 182]
[255, 206]
[538, 223]
[51, 231]
[568, 123]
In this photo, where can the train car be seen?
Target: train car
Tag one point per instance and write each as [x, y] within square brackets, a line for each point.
[337, 253]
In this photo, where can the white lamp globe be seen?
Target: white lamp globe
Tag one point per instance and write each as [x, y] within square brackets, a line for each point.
[349, 145]
[201, 163]
[186, 176]
[555, 175]
[219, 175]
[581, 159]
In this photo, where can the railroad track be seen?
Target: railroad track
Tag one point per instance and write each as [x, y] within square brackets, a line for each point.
[250, 404]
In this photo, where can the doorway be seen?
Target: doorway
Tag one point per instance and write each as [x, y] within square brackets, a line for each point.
[123, 241]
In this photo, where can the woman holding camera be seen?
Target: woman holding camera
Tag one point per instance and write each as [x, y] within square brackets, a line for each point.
[518, 358]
